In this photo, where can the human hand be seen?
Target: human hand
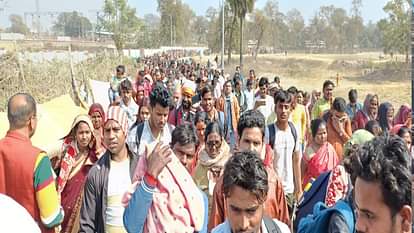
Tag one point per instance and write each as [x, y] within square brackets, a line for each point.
[158, 159]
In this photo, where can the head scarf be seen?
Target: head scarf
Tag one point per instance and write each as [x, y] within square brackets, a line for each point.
[96, 107]
[402, 114]
[382, 116]
[117, 114]
[70, 150]
[367, 104]
[359, 137]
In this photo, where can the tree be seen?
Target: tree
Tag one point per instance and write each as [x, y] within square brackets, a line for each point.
[72, 24]
[200, 28]
[241, 8]
[296, 25]
[148, 34]
[121, 20]
[396, 28]
[17, 25]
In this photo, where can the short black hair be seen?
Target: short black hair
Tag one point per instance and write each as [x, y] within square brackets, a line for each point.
[251, 119]
[292, 90]
[201, 116]
[369, 126]
[384, 160]
[246, 170]
[213, 127]
[206, 89]
[315, 124]
[276, 79]
[403, 130]
[263, 82]
[352, 95]
[183, 135]
[160, 95]
[19, 115]
[339, 104]
[120, 68]
[249, 82]
[327, 83]
[125, 85]
[282, 96]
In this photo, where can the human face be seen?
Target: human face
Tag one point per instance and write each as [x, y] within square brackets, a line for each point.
[227, 88]
[299, 98]
[187, 101]
[251, 140]
[283, 111]
[263, 91]
[140, 96]
[144, 113]
[339, 117]
[185, 153]
[373, 105]
[114, 137]
[407, 139]
[373, 215]
[213, 144]
[83, 135]
[96, 120]
[207, 102]
[176, 96]
[244, 211]
[328, 92]
[126, 95]
[390, 115]
[321, 136]
[159, 116]
[200, 127]
[377, 130]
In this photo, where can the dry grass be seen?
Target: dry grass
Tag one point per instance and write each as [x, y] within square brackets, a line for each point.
[366, 72]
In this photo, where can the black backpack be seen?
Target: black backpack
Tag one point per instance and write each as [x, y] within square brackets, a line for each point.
[272, 134]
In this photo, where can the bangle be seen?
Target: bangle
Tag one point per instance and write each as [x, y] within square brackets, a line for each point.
[151, 180]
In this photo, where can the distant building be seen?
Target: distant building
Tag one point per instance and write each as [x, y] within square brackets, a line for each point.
[11, 36]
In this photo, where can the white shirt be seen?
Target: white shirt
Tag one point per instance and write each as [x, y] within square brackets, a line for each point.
[267, 109]
[283, 160]
[148, 138]
[225, 227]
[131, 111]
[15, 218]
[249, 99]
[119, 181]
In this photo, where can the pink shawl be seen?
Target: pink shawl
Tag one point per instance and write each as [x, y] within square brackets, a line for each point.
[325, 159]
[177, 202]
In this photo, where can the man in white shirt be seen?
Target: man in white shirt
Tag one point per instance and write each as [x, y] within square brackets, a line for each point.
[264, 103]
[286, 149]
[156, 128]
[249, 93]
[245, 185]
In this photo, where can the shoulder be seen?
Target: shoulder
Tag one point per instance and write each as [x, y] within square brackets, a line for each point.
[282, 226]
[222, 228]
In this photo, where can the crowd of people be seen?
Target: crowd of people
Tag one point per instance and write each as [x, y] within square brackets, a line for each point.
[186, 148]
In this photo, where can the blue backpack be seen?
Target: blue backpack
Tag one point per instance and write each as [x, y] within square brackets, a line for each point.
[315, 194]
[319, 220]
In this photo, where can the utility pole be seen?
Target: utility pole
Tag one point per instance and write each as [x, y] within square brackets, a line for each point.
[222, 36]
[38, 17]
[171, 31]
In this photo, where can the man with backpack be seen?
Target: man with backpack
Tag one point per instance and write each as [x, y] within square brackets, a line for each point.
[157, 127]
[283, 138]
[245, 185]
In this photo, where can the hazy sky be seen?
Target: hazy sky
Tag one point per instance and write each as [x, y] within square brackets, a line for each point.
[372, 9]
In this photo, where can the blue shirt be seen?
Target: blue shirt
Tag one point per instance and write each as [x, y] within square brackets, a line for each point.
[137, 210]
[350, 112]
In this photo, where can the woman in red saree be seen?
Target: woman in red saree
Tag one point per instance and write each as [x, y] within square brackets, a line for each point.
[319, 155]
[77, 156]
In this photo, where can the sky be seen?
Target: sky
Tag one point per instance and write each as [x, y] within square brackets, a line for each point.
[371, 9]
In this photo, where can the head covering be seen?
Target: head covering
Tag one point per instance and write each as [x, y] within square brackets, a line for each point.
[402, 114]
[359, 137]
[187, 90]
[383, 118]
[367, 104]
[70, 150]
[76, 121]
[140, 88]
[117, 114]
[96, 107]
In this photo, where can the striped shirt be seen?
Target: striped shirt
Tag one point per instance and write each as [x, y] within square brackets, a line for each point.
[47, 198]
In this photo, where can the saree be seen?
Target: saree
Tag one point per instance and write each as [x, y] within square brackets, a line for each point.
[323, 160]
